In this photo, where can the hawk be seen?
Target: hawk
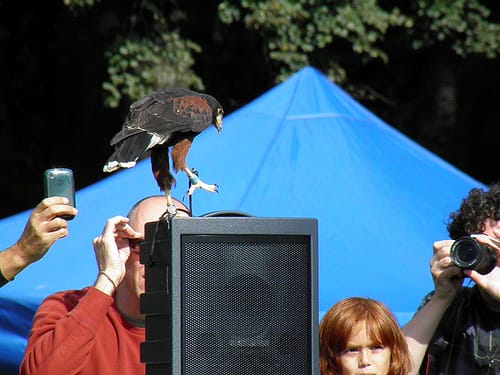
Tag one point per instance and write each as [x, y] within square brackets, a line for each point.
[170, 118]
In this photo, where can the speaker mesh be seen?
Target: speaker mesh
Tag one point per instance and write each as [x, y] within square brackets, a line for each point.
[246, 305]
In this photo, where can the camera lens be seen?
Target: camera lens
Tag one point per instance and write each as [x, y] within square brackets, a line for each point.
[467, 253]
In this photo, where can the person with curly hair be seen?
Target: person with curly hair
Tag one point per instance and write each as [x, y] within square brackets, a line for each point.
[456, 330]
[361, 336]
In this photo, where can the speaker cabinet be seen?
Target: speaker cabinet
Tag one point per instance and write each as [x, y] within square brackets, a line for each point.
[230, 295]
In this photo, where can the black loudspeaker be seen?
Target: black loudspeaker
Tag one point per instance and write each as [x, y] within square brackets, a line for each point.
[230, 295]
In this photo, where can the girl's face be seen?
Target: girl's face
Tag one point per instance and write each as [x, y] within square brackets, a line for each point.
[362, 356]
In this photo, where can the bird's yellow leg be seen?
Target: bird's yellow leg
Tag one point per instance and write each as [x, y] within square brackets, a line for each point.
[196, 183]
[171, 209]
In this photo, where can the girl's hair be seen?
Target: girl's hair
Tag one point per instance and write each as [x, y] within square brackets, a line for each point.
[338, 323]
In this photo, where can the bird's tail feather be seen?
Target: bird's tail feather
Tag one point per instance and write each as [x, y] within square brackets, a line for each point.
[128, 152]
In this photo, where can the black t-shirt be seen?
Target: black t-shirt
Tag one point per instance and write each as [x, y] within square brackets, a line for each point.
[467, 340]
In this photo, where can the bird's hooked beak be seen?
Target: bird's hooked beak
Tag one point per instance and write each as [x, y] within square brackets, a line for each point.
[218, 119]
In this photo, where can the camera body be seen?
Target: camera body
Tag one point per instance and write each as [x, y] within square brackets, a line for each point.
[59, 182]
[467, 253]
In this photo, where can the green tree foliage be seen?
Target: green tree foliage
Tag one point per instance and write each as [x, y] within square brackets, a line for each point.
[137, 67]
[151, 52]
[76, 5]
[464, 25]
[148, 54]
[316, 31]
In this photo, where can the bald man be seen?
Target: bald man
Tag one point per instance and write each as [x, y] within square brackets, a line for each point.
[98, 330]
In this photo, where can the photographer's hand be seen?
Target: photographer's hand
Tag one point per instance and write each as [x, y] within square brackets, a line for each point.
[490, 283]
[447, 277]
[112, 251]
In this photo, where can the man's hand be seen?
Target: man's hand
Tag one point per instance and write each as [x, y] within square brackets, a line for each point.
[447, 277]
[43, 228]
[489, 283]
[112, 250]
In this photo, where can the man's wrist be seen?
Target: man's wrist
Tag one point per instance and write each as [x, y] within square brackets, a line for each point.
[12, 261]
[105, 283]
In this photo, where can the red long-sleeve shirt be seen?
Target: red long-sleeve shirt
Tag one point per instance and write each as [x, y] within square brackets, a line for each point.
[82, 332]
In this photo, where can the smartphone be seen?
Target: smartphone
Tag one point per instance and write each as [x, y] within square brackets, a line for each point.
[59, 182]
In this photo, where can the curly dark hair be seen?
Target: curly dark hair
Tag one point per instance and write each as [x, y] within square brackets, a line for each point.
[475, 209]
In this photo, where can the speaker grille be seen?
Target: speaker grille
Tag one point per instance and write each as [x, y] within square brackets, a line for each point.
[246, 305]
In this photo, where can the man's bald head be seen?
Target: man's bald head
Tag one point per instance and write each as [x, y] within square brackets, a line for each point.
[157, 203]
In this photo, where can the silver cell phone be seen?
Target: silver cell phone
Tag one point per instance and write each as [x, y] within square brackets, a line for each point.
[59, 182]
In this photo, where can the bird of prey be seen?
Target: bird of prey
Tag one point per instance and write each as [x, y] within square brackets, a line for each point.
[170, 118]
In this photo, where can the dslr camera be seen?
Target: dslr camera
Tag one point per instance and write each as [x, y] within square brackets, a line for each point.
[469, 254]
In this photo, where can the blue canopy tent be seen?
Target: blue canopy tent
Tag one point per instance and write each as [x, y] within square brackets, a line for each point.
[303, 149]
